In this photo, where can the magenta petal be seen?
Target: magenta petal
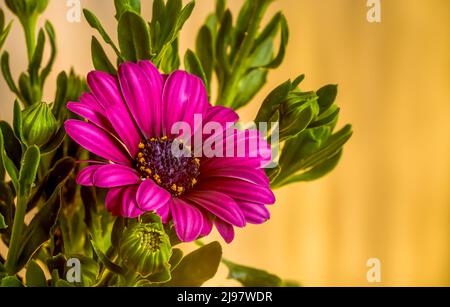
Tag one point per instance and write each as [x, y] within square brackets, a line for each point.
[184, 95]
[256, 176]
[129, 207]
[157, 83]
[85, 177]
[142, 92]
[221, 115]
[114, 175]
[113, 201]
[97, 141]
[151, 197]
[187, 219]
[254, 213]
[220, 205]
[226, 230]
[240, 190]
[164, 213]
[107, 92]
[207, 225]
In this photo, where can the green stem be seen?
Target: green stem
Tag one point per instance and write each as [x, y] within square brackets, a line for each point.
[229, 92]
[19, 217]
[29, 27]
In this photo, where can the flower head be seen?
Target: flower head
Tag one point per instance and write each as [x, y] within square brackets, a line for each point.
[39, 124]
[130, 127]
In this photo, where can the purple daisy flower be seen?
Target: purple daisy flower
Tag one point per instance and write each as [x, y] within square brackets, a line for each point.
[129, 127]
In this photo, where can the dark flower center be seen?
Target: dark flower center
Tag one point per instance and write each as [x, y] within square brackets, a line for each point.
[175, 173]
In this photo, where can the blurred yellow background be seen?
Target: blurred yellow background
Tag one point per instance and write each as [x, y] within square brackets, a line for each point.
[389, 198]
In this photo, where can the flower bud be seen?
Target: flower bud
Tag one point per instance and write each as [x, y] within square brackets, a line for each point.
[297, 111]
[145, 247]
[39, 124]
[27, 8]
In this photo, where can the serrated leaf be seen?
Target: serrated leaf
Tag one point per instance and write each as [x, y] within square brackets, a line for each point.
[197, 267]
[134, 37]
[272, 102]
[36, 60]
[6, 71]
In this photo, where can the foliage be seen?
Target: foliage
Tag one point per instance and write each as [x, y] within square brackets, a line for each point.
[38, 163]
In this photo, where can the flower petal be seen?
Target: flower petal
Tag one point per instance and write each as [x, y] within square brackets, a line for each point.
[239, 190]
[187, 219]
[113, 201]
[114, 175]
[97, 141]
[184, 95]
[207, 224]
[256, 176]
[151, 197]
[129, 207]
[85, 177]
[220, 205]
[226, 230]
[106, 90]
[254, 213]
[142, 92]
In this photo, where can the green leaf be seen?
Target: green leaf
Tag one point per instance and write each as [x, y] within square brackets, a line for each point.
[6, 71]
[177, 256]
[17, 121]
[52, 37]
[28, 169]
[8, 163]
[318, 171]
[222, 42]
[55, 141]
[11, 282]
[327, 96]
[60, 96]
[39, 230]
[2, 222]
[251, 277]
[36, 60]
[106, 262]
[134, 37]
[283, 45]
[100, 59]
[249, 86]
[12, 145]
[95, 23]
[205, 51]
[272, 102]
[193, 66]
[123, 6]
[52, 181]
[197, 267]
[4, 33]
[35, 277]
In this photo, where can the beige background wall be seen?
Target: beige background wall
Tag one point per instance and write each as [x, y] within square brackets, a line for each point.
[389, 198]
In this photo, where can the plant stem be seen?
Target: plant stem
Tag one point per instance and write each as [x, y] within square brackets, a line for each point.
[29, 27]
[19, 217]
[229, 91]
